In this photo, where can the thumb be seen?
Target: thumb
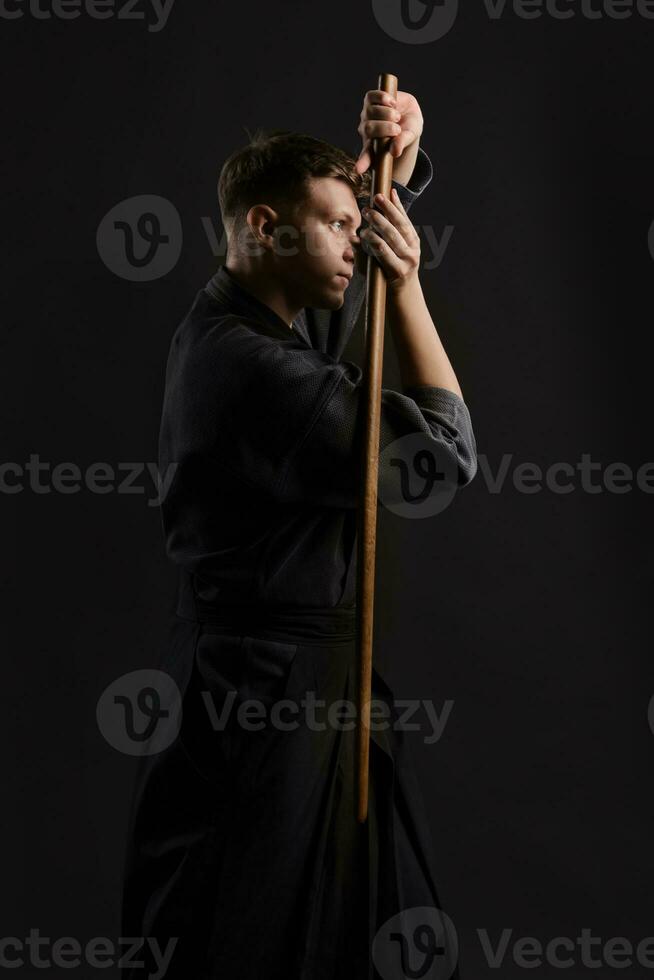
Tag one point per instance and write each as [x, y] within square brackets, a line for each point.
[400, 143]
[363, 160]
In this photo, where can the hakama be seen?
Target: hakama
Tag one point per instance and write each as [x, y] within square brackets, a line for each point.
[246, 844]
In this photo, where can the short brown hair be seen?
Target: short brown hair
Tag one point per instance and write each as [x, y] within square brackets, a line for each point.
[274, 168]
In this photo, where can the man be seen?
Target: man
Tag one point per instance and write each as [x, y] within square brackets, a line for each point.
[244, 844]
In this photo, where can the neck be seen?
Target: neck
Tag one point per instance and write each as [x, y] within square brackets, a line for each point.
[264, 287]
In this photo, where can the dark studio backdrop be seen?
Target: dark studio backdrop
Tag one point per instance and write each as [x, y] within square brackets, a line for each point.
[522, 610]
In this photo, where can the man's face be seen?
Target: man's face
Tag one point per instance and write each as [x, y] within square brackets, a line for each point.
[318, 247]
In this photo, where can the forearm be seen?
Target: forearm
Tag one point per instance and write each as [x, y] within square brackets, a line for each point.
[421, 356]
[404, 165]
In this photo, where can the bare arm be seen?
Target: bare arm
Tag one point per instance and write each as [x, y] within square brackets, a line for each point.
[421, 356]
[395, 244]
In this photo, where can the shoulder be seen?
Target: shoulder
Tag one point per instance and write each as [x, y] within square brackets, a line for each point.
[216, 349]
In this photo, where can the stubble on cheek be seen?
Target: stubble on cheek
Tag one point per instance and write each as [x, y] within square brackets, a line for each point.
[313, 242]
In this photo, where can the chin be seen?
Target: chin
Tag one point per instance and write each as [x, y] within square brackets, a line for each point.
[335, 301]
[330, 299]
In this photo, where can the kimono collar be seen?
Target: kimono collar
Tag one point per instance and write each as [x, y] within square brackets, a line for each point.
[223, 287]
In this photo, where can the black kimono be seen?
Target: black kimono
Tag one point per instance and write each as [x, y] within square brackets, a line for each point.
[244, 842]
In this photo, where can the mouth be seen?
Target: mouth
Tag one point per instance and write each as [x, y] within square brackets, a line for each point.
[345, 279]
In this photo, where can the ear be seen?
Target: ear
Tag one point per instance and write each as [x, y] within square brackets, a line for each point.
[262, 221]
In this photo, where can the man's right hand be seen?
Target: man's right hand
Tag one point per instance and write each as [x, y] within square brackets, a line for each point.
[393, 241]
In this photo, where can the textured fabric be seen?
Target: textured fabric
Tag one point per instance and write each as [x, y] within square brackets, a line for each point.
[263, 424]
[244, 846]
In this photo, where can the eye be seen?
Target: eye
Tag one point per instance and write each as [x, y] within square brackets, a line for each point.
[337, 221]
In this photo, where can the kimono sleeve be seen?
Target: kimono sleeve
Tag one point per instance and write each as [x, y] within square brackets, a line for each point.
[292, 425]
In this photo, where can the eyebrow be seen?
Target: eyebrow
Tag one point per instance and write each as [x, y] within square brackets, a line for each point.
[344, 216]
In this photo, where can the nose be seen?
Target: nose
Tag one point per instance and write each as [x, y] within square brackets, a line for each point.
[353, 247]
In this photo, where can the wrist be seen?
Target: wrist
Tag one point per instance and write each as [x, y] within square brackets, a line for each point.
[404, 165]
[404, 291]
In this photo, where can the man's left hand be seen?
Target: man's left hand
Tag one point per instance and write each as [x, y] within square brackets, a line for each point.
[400, 119]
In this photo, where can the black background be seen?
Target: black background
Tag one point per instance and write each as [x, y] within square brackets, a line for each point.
[530, 611]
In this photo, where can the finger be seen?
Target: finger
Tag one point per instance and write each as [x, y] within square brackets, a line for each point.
[393, 210]
[391, 237]
[377, 96]
[364, 160]
[380, 250]
[400, 143]
[374, 111]
[382, 227]
[396, 203]
[374, 128]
